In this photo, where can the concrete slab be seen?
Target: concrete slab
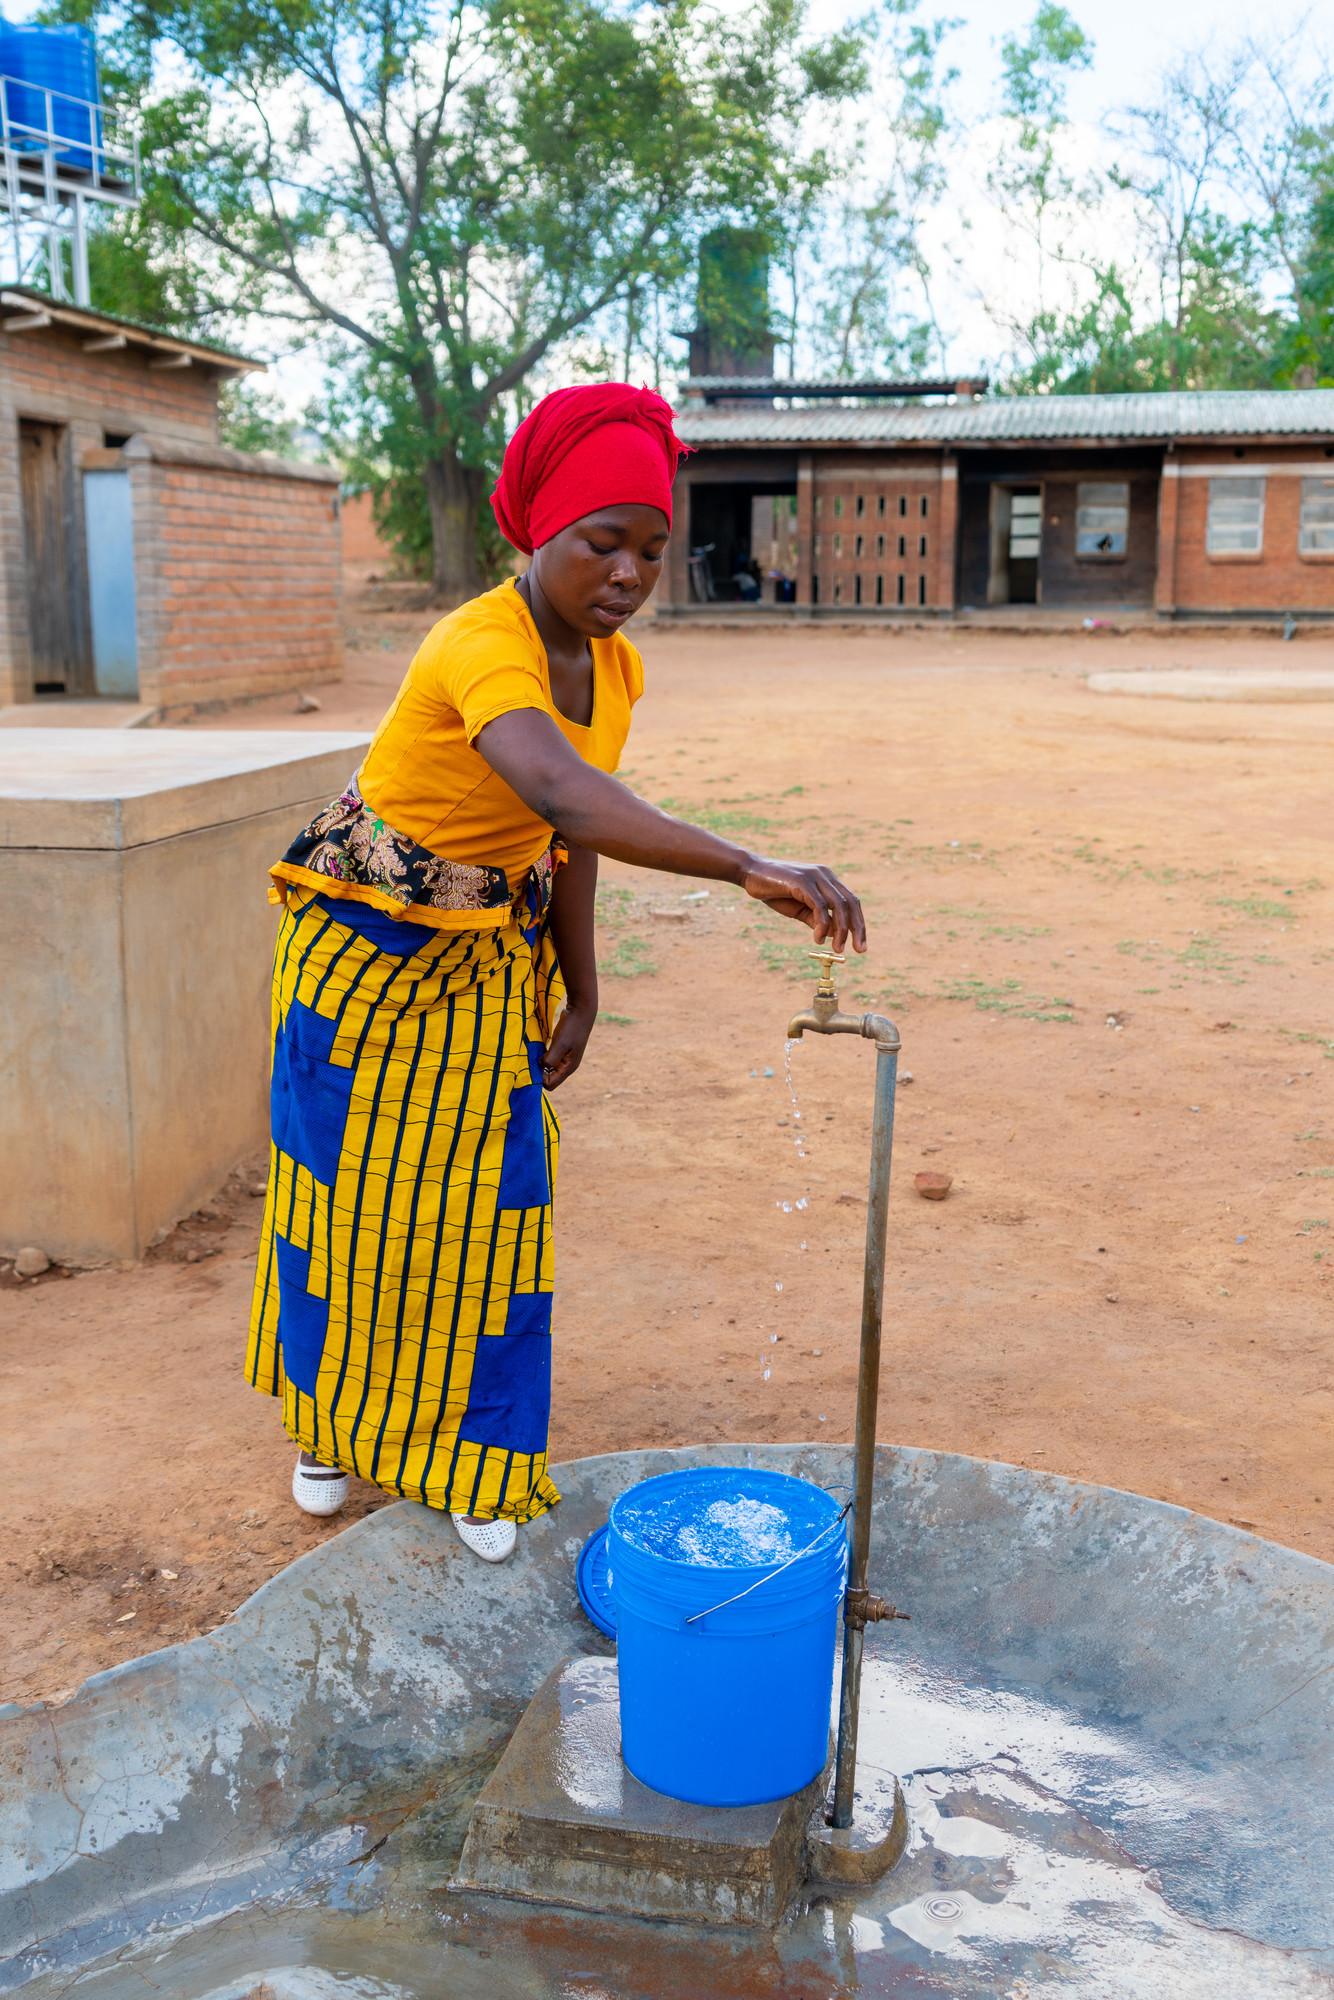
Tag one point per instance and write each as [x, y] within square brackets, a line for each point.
[138, 951]
[1113, 1720]
[561, 1820]
[107, 789]
[1252, 684]
[61, 714]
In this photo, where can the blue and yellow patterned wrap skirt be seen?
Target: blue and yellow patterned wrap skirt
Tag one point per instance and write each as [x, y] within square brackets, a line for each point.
[402, 1306]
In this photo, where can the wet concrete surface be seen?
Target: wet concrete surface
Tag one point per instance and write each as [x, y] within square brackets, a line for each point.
[1111, 1718]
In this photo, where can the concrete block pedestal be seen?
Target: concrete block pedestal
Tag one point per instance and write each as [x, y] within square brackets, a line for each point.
[138, 947]
[561, 1820]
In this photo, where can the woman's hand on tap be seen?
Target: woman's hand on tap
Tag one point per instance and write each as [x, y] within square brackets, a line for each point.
[810, 893]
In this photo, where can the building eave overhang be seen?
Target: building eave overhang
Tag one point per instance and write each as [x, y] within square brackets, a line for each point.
[25, 309]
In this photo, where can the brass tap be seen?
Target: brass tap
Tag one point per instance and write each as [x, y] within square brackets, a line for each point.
[825, 1017]
[827, 960]
[861, 1608]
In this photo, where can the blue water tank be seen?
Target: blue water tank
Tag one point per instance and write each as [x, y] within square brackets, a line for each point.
[63, 60]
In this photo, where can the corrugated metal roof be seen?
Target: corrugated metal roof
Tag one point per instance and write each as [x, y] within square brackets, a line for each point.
[1179, 413]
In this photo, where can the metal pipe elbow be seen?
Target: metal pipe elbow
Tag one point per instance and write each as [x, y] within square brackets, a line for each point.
[878, 1028]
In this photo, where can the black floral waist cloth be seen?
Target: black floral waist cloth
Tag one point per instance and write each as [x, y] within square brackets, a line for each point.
[347, 842]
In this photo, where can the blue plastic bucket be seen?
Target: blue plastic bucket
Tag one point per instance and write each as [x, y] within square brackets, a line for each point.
[732, 1708]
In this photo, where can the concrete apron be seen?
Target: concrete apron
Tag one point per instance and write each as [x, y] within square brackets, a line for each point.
[1111, 1718]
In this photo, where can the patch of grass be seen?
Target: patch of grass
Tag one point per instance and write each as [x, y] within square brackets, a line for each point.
[610, 903]
[1007, 998]
[1325, 1045]
[1313, 1222]
[719, 818]
[948, 852]
[1203, 955]
[629, 958]
[1315, 1173]
[1252, 906]
[616, 1020]
[783, 946]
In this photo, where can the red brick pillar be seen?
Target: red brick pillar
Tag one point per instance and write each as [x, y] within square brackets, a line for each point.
[947, 533]
[805, 528]
[1169, 499]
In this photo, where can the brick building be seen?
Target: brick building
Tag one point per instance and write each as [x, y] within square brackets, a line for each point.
[139, 557]
[1216, 503]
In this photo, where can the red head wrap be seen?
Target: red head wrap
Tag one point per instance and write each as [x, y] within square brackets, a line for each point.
[606, 445]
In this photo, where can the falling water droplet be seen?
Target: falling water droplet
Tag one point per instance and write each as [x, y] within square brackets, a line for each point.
[786, 1207]
[773, 1340]
[803, 1242]
[802, 1202]
[822, 1420]
[767, 1371]
[778, 1287]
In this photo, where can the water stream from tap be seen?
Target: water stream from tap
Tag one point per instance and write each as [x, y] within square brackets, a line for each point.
[798, 1203]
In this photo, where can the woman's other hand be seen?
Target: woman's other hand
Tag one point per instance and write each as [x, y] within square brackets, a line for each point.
[811, 894]
[565, 1050]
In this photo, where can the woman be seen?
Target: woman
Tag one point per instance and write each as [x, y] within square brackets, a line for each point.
[437, 914]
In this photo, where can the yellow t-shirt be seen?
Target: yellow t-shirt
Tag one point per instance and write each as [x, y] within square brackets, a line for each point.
[422, 775]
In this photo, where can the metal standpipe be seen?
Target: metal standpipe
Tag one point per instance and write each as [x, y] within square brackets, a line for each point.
[860, 1608]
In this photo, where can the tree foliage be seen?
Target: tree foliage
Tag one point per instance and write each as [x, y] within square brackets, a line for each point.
[447, 192]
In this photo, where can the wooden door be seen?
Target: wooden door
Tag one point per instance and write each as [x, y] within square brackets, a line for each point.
[50, 625]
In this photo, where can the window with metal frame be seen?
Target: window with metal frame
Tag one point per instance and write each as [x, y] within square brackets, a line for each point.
[1315, 535]
[1236, 517]
[1102, 518]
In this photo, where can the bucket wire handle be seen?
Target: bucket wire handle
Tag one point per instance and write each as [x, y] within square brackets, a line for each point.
[694, 1620]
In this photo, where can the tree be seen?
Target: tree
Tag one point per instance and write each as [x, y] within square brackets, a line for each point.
[1039, 196]
[452, 191]
[875, 311]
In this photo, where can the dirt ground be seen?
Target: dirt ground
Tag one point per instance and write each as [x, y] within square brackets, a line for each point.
[1104, 926]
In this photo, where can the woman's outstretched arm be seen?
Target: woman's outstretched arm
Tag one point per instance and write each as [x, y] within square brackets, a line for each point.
[528, 751]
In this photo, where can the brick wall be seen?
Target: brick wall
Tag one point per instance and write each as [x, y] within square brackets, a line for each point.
[1280, 578]
[51, 377]
[238, 574]
[362, 541]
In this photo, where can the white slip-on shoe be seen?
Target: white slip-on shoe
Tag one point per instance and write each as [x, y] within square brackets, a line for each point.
[319, 1489]
[491, 1540]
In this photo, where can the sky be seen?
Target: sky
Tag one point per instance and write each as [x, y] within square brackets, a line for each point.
[1133, 41]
